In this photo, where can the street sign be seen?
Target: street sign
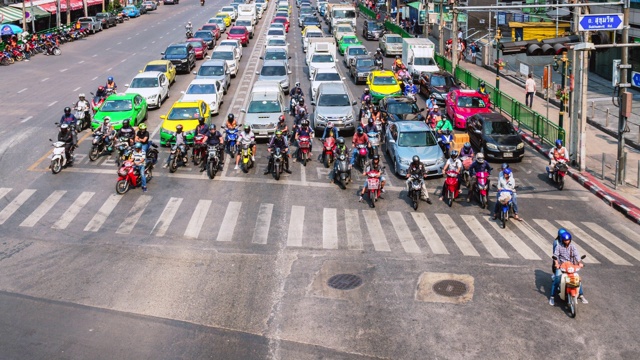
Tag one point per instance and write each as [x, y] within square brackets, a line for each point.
[635, 79]
[600, 22]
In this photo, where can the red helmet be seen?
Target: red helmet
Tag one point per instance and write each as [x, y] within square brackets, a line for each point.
[100, 88]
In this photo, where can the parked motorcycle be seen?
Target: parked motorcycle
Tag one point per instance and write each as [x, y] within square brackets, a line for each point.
[59, 158]
[304, 147]
[98, 145]
[481, 188]
[415, 189]
[246, 157]
[558, 173]
[328, 147]
[178, 157]
[570, 284]
[451, 187]
[213, 161]
[129, 176]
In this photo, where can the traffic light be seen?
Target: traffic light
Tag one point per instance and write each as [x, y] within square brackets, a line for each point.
[546, 47]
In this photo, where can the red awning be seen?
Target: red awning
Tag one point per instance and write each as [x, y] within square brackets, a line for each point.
[94, 2]
[75, 5]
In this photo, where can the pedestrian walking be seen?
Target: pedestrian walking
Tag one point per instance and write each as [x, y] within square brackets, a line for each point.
[530, 90]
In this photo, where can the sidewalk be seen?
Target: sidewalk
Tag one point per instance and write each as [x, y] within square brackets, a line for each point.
[625, 199]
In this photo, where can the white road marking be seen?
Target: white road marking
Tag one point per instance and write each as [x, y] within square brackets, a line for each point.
[429, 233]
[485, 238]
[608, 236]
[404, 234]
[107, 49]
[53, 103]
[144, 48]
[76, 89]
[43, 208]
[81, 61]
[21, 91]
[15, 204]
[553, 197]
[551, 230]
[197, 219]
[109, 69]
[26, 119]
[101, 216]
[296, 226]
[263, 223]
[63, 70]
[94, 78]
[594, 244]
[229, 221]
[633, 235]
[354, 234]
[533, 235]
[94, 55]
[73, 211]
[167, 216]
[123, 60]
[45, 79]
[514, 241]
[134, 215]
[129, 38]
[457, 235]
[329, 228]
[119, 43]
[378, 238]
[303, 174]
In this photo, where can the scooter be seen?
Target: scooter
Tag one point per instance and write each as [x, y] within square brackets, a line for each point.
[373, 186]
[213, 161]
[304, 147]
[445, 141]
[98, 145]
[124, 150]
[343, 168]
[481, 188]
[129, 176]
[247, 161]
[278, 162]
[451, 187]
[466, 164]
[328, 146]
[415, 189]
[558, 173]
[81, 118]
[570, 284]
[361, 156]
[232, 141]
[374, 140]
[59, 159]
[505, 198]
[178, 157]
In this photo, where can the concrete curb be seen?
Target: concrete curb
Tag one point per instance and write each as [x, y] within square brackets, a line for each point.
[592, 184]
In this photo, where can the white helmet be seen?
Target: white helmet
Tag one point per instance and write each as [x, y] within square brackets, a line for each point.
[81, 95]
[189, 23]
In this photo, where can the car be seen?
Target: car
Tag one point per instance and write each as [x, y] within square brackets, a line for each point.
[333, 104]
[275, 70]
[170, 2]
[390, 44]
[214, 28]
[120, 107]
[383, 83]
[239, 33]
[352, 51]
[185, 113]
[220, 22]
[207, 36]
[404, 139]
[164, 66]
[321, 60]
[311, 21]
[107, 19]
[228, 54]
[199, 46]
[246, 22]
[462, 104]
[342, 29]
[235, 44]
[322, 8]
[322, 76]
[231, 11]
[346, 41]
[152, 85]
[208, 90]
[266, 104]
[372, 30]
[282, 20]
[141, 8]
[90, 22]
[276, 43]
[181, 55]
[305, 12]
[282, 14]
[131, 11]
[284, 11]
[438, 84]
[495, 136]
[215, 70]
[308, 33]
[277, 26]
[225, 17]
[400, 109]
[150, 5]
[361, 67]
[276, 34]
[276, 54]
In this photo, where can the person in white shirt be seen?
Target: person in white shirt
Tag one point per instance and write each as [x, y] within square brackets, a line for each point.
[507, 182]
[530, 90]
[246, 137]
[558, 153]
[139, 160]
[452, 164]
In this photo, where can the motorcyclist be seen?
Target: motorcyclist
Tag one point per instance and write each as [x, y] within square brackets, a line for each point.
[479, 165]
[482, 89]
[139, 161]
[106, 129]
[359, 138]
[297, 90]
[365, 96]
[68, 118]
[330, 131]
[452, 164]
[370, 127]
[278, 141]
[214, 139]
[303, 130]
[417, 168]
[246, 137]
[443, 124]
[431, 102]
[434, 116]
[102, 92]
[180, 139]
[507, 182]
[66, 136]
[341, 148]
[111, 85]
[503, 167]
[379, 57]
[301, 112]
[398, 65]
[374, 165]
[127, 131]
[83, 104]
[142, 137]
[189, 28]
[558, 153]
[282, 125]
[565, 251]
[467, 150]
[410, 88]
[231, 122]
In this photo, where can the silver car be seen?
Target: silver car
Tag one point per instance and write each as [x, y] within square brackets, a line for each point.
[275, 70]
[351, 53]
[266, 104]
[333, 104]
[390, 44]
[215, 70]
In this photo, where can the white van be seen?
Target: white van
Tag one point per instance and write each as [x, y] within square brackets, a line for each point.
[248, 10]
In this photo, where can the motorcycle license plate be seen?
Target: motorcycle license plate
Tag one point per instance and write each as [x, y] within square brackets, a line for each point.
[373, 183]
[507, 155]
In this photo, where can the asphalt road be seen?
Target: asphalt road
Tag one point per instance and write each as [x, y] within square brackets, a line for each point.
[237, 267]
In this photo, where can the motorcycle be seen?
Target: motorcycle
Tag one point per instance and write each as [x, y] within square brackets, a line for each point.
[505, 198]
[558, 173]
[199, 150]
[344, 169]
[59, 158]
[304, 147]
[129, 176]
[97, 101]
[451, 187]
[81, 117]
[570, 284]
[415, 190]
[378, 63]
[374, 140]
[329, 146]
[445, 141]
[52, 49]
[231, 141]
[213, 161]
[481, 188]
[373, 185]
[189, 34]
[247, 161]
[178, 157]
[466, 164]
[279, 161]
[124, 150]
[152, 154]
[364, 115]
[98, 145]
[293, 103]
[361, 156]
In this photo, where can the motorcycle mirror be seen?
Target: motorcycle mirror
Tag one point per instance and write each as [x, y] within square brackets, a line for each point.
[477, 131]
[582, 257]
[554, 257]
[126, 85]
[243, 111]
[493, 186]
[163, 117]
[313, 103]
[353, 103]
[257, 72]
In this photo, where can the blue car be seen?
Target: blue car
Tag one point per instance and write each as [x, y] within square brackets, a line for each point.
[404, 139]
[131, 11]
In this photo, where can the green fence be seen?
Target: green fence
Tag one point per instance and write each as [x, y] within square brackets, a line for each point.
[366, 11]
[519, 113]
[396, 29]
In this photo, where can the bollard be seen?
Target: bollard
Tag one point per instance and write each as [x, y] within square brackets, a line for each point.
[603, 156]
[593, 109]
[638, 179]
[615, 183]
[606, 121]
[623, 181]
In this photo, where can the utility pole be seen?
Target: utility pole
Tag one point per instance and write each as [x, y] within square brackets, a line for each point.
[622, 122]
[454, 36]
[497, 37]
[441, 28]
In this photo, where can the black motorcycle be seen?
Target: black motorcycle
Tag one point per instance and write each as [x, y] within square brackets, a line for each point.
[178, 157]
[98, 145]
[213, 161]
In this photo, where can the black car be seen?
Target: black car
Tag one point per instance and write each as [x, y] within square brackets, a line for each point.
[372, 30]
[400, 109]
[361, 68]
[182, 56]
[107, 19]
[208, 37]
[311, 20]
[170, 2]
[495, 136]
[438, 83]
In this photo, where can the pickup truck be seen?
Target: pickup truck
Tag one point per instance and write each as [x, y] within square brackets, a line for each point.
[90, 22]
[107, 19]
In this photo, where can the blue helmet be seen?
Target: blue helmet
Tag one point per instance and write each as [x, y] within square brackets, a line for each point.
[560, 232]
[110, 79]
[558, 142]
[505, 166]
[360, 130]
[506, 172]
[566, 236]
[138, 145]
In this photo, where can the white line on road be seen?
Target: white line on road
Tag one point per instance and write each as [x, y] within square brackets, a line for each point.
[76, 89]
[330, 228]
[513, 239]
[263, 223]
[549, 228]
[167, 216]
[119, 43]
[94, 78]
[101, 216]
[81, 61]
[404, 233]
[123, 60]
[43, 208]
[109, 69]
[485, 238]
[53, 103]
[26, 119]
[296, 222]
[73, 210]
[134, 215]
[94, 55]
[354, 235]
[457, 235]
[594, 244]
[63, 70]
[128, 38]
[229, 221]
[378, 238]
[630, 250]
[153, 42]
[429, 233]
[45, 79]
[22, 90]
[197, 219]
[107, 49]
[144, 48]
[15, 204]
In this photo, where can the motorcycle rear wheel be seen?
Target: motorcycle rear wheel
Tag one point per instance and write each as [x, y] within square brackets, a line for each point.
[94, 154]
[483, 202]
[449, 198]
[504, 217]
[56, 166]
[326, 161]
[573, 305]
[416, 200]
[122, 186]
[560, 182]
[56, 52]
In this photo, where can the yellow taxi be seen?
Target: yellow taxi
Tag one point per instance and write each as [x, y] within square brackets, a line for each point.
[284, 8]
[383, 84]
[186, 114]
[225, 17]
[164, 66]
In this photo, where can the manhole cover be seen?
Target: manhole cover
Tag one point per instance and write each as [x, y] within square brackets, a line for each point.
[450, 288]
[345, 281]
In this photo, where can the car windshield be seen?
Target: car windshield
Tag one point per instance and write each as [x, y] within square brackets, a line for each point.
[211, 70]
[275, 55]
[311, 20]
[499, 128]
[222, 55]
[203, 34]
[237, 31]
[201, 89]
[402, 108]
[243, 23]
[116, 105]
[440, 80]
[416, 139]
[183, 113]
[471, 102]
[423, 61]
[161, 68]
[280, 20]
[344, 29]
[222, 16]
[264, 106]
[228, 9]
[232, 43]
[357, 51]
[276, 42]
[344, 14]
[176, 51]
[282, 14]
[349, 40]
[374, 27]
[276, 32]
[143, 83]
[211, 27]
[314, 34]
[129, 8]
[328, 77]
[394, 40]
[197, 44]
[384, 80]
[334, 100]
[364, 63]
[276, 70]
[328, 58]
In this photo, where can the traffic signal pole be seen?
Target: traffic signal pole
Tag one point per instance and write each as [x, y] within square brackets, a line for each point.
[622, 121]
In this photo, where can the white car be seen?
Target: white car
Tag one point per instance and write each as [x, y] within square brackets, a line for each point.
[321, 60]
[246, 22]
[228, 54]
[321, 76]
[276, 26]
[233, 13]
[276, 33]
[277, 43]
[310, 33]
[234, 44]
[152, 85]
[208, 90]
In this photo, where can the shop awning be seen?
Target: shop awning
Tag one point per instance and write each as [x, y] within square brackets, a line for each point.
[9, 15]
[415, 5]
[50, 5]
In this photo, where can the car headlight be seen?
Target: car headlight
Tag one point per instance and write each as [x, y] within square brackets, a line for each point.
[520, 146]
[441, 160]
[183, 60]
[405, 161]
[362, 74]
[492, 146]
[213, 104]
[460, 116]
[321, 117]
[151, 97]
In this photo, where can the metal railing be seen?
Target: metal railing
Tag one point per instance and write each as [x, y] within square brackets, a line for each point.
[366, 11]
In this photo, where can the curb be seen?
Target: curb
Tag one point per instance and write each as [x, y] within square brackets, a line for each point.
[593, 185]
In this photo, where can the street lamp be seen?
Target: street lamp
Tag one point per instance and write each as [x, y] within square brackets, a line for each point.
[562, 64]
[498, 37]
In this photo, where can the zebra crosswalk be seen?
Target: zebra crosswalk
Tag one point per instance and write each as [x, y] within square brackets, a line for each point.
[309, 227]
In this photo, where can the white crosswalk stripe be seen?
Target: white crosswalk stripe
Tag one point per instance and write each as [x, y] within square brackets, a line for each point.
[101, 216]
[43, 209]
[263, 223]
[134, 215]
[73, 211]
[613, 239]
[457, 235]
[515, 241]
[594, 244]
[229, 222]
[197, 219]
[165, 219]
[485, 238]
[378, 238]
[429, 233]
[404, 234]
[354, 234]
[14, 205]
[296, 226]
[633, 235]
[330, 228]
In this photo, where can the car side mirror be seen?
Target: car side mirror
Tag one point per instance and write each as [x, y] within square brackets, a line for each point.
[391, 140]
[243, 111]
[289, 58]
[313, 103]
[261, 58]
[126, 85]
[257, 72]
[288, 71]
[161, 53]
[182, 92]
[163, 117]
[353, 103]
[208, 57]
[410, 63]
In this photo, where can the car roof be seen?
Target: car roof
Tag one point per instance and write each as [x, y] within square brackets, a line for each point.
[399, 99]
[148, 74]
[224, 48]
[383, 73]
[332, 88]
[408, 126]
[183, 104]
[326, 70]
[184, 44]
[467, 92]
[203, 81]
[238, 27]
[493, 117]
[122, 96]
[158, 62]
[214, 62]
[274, 63]
[361, 57]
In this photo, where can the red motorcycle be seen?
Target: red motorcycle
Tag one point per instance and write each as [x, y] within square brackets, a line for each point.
[373, 186]
[199, 150]
[451, 187]
[129, 177]
[97, 101]
[558, 173]
[481, 188]
[329, 146]
[304, 147]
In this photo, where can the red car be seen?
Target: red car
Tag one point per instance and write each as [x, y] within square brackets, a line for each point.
[213, 28]
[462, 104]
[239, 33]
[282, 20]
[199, 46]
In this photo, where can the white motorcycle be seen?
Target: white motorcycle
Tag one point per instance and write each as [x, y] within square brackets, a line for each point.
[81, 113]
[59, 158]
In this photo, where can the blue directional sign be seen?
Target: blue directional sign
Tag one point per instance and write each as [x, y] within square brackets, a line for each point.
[600, 22]
[635, 79]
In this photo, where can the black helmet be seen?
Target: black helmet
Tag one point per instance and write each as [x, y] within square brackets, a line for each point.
[370, 121]
[212, 127]
[376, 157]
[366, 90]
[67, 110]
[482, 84]
[179, 128]
[247, 128]
[446, 131]
[201, 120]
[375, 108]
[301, 101]
[360, 130]
[126, 123]
[340, 141]
[467, 145]
[305, 122]
[454, 154]
[416, 159]
[230, 117]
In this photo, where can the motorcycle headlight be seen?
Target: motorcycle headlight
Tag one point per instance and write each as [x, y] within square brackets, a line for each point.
[122, 171]
[520, 146]
[361, 74]
[492, 146]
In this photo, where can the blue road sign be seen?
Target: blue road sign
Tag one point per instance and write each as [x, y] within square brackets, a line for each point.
[635, 79]
[600, 22]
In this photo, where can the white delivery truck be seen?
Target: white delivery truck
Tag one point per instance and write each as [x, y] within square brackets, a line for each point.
[248, 10]
[341, 13]
[417, 55]
[321, 45]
